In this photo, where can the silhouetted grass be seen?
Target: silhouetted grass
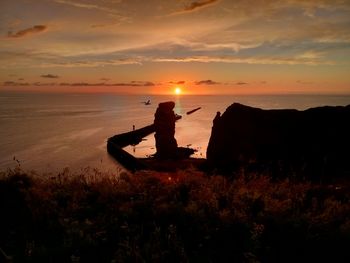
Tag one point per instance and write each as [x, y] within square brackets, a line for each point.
[184, 216]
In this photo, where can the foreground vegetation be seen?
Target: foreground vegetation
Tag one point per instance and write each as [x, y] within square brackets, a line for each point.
[184, 216]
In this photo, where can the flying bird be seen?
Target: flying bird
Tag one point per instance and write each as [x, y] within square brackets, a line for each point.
[147, 102]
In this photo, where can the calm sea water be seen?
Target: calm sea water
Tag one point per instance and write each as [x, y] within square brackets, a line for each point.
[47, 132]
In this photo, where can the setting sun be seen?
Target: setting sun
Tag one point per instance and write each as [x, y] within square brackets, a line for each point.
[177, 91]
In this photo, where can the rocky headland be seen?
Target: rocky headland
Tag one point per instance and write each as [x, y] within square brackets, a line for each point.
[313, 143]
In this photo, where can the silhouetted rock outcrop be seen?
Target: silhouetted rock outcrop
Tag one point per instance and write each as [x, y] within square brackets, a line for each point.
[314, 143]
[164, 122]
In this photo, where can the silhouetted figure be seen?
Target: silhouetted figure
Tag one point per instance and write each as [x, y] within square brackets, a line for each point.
[133, 127]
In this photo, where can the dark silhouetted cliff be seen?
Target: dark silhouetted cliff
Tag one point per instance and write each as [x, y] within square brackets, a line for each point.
[314, 143]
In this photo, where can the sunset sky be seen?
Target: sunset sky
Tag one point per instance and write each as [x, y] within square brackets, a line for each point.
[203, 46]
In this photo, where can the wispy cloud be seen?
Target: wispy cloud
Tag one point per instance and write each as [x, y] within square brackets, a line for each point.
[79, 4]
[180, 82]
[199, 4]
[103, 84]
[74, 63]
[198, 46]
[117, 84]
[206, 82]
[248, 60]
[50, 76]
[83, 84]
[194, 6]
[14, 83]
[28, 31]
[142, 83]
[241, 83]
[304, 82]
[99, 63]
[241, 32]
[38, 61]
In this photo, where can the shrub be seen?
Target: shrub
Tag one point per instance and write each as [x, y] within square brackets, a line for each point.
[184, 216]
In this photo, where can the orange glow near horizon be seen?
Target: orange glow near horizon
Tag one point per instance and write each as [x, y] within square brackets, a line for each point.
[116, 46]
[178, 91]
[251, 88]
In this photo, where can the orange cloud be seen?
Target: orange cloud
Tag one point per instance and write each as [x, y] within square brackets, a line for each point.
[199, 4]
[207, 82]
[82, 84]
[180, 82]
[249, 60]
[119, 84]
[28, 31]
[194, 6]
[50, 76]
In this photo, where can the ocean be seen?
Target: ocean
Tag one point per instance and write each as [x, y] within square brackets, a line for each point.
[48, 132]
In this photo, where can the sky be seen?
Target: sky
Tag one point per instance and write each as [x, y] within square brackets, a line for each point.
[150, 47]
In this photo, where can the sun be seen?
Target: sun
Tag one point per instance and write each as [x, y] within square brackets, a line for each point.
[177, 91]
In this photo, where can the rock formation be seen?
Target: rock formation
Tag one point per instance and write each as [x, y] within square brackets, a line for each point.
[314, 143]
[164, 122]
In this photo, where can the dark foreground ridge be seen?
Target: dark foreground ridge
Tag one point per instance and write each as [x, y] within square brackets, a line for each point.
[313, 143]
[184, 216]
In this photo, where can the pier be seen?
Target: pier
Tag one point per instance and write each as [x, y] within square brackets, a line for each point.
[116, 144]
